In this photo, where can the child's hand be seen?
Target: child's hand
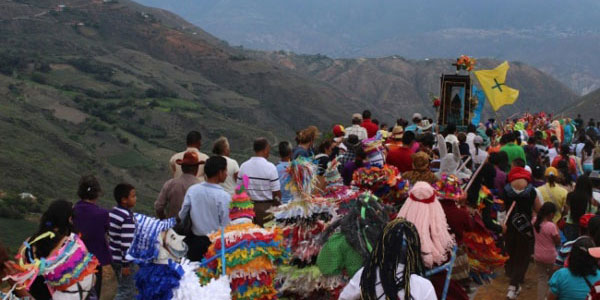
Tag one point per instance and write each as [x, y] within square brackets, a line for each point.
[125, 271]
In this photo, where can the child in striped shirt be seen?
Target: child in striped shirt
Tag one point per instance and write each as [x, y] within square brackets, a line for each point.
[120, 233]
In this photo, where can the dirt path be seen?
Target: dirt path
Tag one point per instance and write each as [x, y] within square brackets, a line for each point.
[494, 291]
[497, 288]
[109, 283]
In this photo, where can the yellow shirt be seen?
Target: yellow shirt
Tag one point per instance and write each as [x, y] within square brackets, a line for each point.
[556, 195]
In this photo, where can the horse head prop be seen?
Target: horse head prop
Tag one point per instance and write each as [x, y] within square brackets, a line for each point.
[172, 247]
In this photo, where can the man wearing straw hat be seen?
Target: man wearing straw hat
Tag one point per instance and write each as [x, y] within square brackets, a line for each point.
[173, 191]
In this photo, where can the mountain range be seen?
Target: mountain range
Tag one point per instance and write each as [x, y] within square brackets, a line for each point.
[112, 88]
[397, 87]
[559, 37]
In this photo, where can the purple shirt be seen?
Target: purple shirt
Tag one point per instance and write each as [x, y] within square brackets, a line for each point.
[92, 222]
[348, 171]
[500, 180]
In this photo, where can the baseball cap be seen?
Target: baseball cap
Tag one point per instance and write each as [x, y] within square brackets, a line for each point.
[551, 171]
[356, 116]
[338, 130]
[594, 252]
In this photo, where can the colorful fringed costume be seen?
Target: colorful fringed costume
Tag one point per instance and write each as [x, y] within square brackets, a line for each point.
[385, 182]
[333, 178]
[66, 266]
[250, 252]
[335, 191]
[484, 255]
[300, 177]
[303, 220]
[241, 206]
[250, 255]
[373, 147]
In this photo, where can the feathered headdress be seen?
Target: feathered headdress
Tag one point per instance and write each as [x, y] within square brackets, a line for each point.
[449, 187]
[300, 177]
[241, 205]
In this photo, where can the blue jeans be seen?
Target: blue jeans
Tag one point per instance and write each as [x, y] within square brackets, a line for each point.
[125, 284]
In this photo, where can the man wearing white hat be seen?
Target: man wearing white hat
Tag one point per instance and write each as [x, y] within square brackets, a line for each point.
[414, 127]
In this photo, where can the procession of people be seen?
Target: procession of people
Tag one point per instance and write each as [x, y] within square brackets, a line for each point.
[409, 211]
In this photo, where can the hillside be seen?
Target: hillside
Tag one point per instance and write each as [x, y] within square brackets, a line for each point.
[558, 37]
[588, 106]
[113, 88]
[397, 87]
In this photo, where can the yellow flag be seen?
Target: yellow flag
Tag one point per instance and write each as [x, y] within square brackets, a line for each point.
[493, 84]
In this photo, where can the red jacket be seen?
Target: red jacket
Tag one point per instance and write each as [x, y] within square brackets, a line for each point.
[400, 158]
[371, 127]
[459, 219]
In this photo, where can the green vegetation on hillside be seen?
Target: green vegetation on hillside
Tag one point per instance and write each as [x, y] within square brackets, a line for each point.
[13, 206]
[112, 90]
[14, 232]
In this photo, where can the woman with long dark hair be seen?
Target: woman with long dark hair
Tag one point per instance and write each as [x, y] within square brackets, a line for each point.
[58, 257]
[587, 156]
[574, 281]
[57, 219]
[395, 268]
[566, 178]
[579, 202]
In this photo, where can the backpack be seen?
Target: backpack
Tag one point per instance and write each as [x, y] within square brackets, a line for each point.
[594, 290]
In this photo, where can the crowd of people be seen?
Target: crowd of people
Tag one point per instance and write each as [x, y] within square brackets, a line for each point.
[481, 197]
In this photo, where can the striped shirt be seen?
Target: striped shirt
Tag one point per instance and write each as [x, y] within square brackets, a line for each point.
[120, 233]
[263, 178]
